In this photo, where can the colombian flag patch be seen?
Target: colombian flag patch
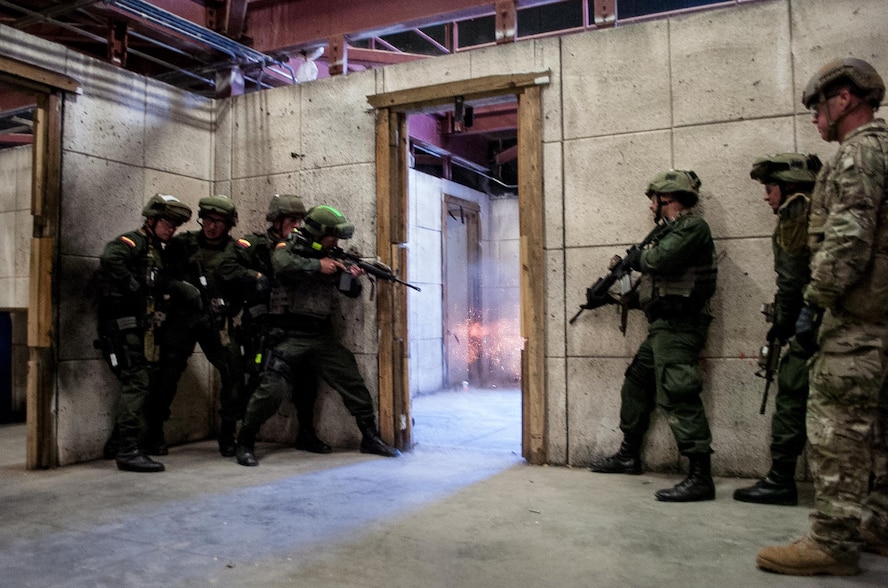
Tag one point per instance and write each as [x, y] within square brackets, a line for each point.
[244, 243]
[281, 244]
[127, 240]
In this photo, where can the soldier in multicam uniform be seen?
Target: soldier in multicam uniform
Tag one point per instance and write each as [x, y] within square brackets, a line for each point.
[133, 282]
[788, 179]
[193, 258]
[678, 278]
[848, 403]
[308, 283]
[252, 271]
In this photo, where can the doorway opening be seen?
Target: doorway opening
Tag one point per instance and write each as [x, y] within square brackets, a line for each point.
[465, 372]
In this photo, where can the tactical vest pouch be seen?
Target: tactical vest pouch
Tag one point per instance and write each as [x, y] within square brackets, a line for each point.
[868, 298]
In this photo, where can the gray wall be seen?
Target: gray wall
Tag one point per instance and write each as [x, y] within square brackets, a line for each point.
[709, 91]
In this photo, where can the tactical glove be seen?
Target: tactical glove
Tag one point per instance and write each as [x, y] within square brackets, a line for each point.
[806, 327]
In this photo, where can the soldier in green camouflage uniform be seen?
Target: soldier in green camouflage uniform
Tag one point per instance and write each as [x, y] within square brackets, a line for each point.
[788, 179]
[193, 257]
[308, 283]
[848, 403]
[133, 282]
[285, 213]
[678, 278]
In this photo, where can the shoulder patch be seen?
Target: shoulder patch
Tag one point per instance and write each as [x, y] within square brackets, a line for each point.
[244, 243]
[127, 240]
[280, 245]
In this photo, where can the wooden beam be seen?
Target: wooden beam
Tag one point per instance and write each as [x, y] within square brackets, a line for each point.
[471, 89]
[19, 73]
[337, 55]
[533, 275]
[384, 301]
[506, 22]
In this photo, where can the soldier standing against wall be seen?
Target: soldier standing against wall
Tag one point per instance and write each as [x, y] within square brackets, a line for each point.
[788, 179]
[307, 283]
[193, 257]
[133, 282]
[678, 278]
[252, 272]
[848, 403]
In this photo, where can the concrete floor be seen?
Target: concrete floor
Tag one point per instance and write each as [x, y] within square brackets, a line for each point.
[462, 509]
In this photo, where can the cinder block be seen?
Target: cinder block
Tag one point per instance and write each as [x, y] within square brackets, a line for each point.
[77, 314]
[731, 64]
[107, 121]
[265, 133]
[607, 89]
[102, 199]
[352, 190]
[509, 58]
[178, 131]
[555, 321]
[553, 196]
[548, 55]
[335, 110]
[427, 72]
[87, 398]
[604, 184]
[722, 155]
[556, 411]
[253, 195]
[425, 256]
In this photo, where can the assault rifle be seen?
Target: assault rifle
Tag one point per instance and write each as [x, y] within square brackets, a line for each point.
[769, 356]
[597, 295]
[374, 268]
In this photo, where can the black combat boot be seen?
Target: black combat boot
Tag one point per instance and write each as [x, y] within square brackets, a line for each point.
[246, 440]
[307, 440]
[698, 485]
[112, 445]
[371, 442]
[625, 461]
[155, 442]
[227, 441]
[131, 459]
[778, 487]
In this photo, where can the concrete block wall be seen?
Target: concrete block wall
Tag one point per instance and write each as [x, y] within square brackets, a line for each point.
[15, 223]
[708, 91]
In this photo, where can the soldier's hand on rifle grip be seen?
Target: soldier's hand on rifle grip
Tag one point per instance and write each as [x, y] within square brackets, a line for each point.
[806, 327]
[633, 257]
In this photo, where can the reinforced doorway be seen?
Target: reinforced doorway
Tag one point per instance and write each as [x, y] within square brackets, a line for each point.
[392, 164]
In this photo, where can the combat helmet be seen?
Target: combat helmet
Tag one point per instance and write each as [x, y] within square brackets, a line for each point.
[167, 206]
[788, 168]
[282, 205]
[856, 71]
[684, 184]
[322, 221]
[218, 204]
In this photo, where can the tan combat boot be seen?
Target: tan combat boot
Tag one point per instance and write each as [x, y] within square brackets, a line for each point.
[802, 558]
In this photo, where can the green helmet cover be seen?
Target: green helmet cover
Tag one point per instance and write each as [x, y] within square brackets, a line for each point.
[322, 221]
[789, 168]
[676, 181]
[282, 205]
[218, 204]
[856, 71]
[167, 206]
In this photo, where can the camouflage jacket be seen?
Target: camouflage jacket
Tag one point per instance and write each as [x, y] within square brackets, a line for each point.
[848, 230]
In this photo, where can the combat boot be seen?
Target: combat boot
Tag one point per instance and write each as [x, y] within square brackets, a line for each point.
[371, 441]
[307, 440]
[112, 445]
[625, 461]
[155, 441]
[696, 487]
[227, 441]
[803, 558]
[872, 543]
[244, 450]
[778, 487]
[131, 459]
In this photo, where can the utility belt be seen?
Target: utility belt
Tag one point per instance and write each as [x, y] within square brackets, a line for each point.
[302, 323]
[672, 307]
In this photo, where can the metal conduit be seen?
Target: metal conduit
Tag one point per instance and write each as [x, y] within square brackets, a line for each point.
[237, 51]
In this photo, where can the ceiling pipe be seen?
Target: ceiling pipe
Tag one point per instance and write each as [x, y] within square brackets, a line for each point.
[238, 52]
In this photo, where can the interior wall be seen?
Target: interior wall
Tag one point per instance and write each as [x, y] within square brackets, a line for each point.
[125, 138]
[709, 91]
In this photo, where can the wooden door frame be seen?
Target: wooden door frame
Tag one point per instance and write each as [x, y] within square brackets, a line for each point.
[48, 88]
[392, 145]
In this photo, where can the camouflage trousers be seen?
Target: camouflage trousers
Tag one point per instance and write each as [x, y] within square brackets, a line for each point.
[790, 406]
[847, 426]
